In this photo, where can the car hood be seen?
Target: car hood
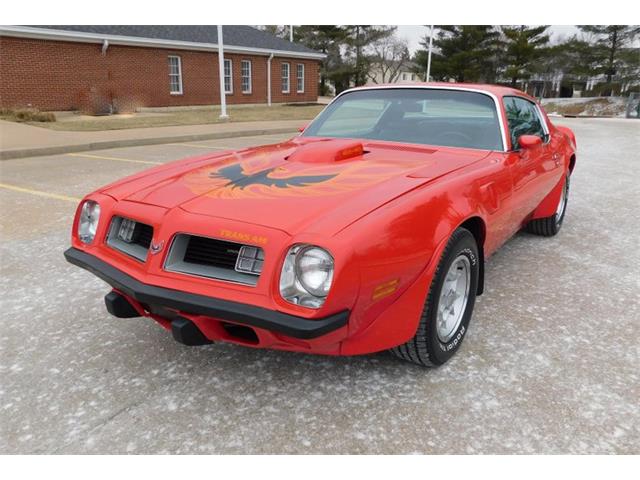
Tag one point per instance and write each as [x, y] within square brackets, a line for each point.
[293, 185]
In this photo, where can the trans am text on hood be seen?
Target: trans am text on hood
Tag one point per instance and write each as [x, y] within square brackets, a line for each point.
[366, 232]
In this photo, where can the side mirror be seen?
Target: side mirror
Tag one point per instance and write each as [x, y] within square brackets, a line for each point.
[302, 128]
[529, 141]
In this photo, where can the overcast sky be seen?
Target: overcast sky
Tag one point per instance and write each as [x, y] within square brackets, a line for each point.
[414, 33]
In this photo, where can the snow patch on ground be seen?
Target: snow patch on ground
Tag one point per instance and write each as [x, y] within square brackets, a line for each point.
[588, 106]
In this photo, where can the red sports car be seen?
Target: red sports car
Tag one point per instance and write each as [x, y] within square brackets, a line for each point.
[366, 232]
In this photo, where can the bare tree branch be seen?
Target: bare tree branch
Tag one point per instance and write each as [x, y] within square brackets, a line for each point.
[387, 58]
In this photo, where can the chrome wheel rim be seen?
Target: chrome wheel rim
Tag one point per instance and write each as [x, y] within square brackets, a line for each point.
[453, 298]
[562, 203]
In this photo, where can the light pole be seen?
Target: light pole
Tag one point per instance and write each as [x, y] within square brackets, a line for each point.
[223, 98]
[429, 56]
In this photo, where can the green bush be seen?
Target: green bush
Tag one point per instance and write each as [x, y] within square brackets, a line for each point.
[27, 115]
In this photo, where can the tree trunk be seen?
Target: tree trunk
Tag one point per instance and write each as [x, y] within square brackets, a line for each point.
[514, 82]
[358, 79]
[612, 55]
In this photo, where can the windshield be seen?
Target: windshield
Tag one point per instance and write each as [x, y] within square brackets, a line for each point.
[450, 118]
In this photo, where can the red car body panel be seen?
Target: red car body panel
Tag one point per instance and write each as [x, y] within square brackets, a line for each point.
[384, 210]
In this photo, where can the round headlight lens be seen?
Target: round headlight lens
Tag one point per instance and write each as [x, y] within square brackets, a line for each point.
[88, 221]
[314, 269]
[307, 274]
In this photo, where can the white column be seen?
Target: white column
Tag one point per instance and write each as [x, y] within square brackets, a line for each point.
[223, 98]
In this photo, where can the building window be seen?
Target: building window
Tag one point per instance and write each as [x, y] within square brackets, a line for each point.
[285, 77]
[175, 75]
[413, 77]
[228, 76]
[246, 76]
[404, 76]
[300, 77]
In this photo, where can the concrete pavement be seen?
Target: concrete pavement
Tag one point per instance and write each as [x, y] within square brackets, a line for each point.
[550, 364]
[19, 140]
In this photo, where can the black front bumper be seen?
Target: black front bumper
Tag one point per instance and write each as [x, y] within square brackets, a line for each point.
[290, 325]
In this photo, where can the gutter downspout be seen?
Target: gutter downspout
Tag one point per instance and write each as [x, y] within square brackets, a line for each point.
[223, 98]
[269, 79]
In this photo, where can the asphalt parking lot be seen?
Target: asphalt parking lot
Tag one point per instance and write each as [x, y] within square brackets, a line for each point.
[550, 364]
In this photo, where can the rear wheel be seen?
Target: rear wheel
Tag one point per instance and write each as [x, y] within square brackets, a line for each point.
[449, 304]
[549, 226]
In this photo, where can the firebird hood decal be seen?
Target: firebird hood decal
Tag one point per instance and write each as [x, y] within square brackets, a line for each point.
[272, 187]
[238, 179]
[281, 179]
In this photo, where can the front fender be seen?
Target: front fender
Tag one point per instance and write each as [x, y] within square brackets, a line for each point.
[396, 250]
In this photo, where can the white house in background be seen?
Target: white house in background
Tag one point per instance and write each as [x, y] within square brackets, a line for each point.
[394, 73]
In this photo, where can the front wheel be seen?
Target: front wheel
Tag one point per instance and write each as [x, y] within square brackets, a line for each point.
[449, 304]
[549, 226]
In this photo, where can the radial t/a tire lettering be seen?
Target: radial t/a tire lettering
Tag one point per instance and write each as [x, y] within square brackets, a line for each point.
[449, 304]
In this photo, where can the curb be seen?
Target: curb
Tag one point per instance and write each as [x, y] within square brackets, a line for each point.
[136, 142]
[595, 116]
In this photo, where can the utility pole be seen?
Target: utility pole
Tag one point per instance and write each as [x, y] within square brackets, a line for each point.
[223, 98]
[429, 56]
[291, 33]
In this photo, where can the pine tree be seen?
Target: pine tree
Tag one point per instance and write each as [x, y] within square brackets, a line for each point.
[463, 53]
[610, 42]
[326, 39]
[525, 45]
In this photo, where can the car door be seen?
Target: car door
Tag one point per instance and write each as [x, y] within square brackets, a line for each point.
[532, 169]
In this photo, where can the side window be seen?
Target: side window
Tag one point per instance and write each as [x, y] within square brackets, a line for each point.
[175, 75]
[523, 119]
[246, 76]
[285, 77]
[228, 76]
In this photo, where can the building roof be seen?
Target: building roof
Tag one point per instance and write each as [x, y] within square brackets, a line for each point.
[243, 38]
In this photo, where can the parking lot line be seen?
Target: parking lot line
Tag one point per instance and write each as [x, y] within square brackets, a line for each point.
[199, 146]
[39, 193]
[101, 157]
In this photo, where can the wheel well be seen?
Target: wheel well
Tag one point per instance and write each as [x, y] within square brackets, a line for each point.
[572, 163]
[477, 228]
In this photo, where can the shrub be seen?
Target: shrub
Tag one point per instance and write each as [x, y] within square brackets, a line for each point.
[27, 115]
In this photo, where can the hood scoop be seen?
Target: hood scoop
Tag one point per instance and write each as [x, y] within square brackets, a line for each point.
[328, 152]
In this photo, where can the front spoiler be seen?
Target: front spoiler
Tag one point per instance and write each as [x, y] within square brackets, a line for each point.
[290, 325]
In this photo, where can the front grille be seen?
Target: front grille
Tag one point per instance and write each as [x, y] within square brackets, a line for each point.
[215, 253]
[143, 235]
[130, 237]
[213, 258]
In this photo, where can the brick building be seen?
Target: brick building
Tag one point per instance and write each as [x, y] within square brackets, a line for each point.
[120, 68]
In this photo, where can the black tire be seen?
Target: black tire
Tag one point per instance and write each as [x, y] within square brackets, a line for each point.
[549, 226]
[426, 348]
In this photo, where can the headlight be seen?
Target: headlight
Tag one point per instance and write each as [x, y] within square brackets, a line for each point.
[306, 276]
[88, 221]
